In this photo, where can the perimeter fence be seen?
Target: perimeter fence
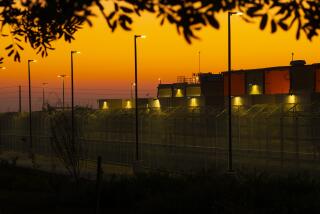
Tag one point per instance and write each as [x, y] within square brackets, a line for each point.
[266, 136]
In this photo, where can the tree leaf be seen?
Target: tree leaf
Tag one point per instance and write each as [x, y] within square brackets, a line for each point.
[9, 47]
[264, 21]
[213, 22]
[283, 26]
[10, 53]
[273, 26]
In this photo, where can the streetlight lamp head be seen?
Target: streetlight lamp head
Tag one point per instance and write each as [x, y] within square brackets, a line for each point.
[75, 52]
[32, 60]
[238, 13]
[3, 68]
[62, 76]
[140, 36]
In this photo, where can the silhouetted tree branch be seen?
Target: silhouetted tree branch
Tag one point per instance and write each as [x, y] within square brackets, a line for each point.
[69, 152]
[40, 22]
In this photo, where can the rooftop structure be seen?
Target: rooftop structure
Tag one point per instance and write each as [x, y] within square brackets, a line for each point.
[296, 83]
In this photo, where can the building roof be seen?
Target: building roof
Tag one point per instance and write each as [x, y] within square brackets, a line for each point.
[279, 68]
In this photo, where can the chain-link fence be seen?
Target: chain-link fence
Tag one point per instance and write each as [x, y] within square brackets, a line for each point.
[266, 136]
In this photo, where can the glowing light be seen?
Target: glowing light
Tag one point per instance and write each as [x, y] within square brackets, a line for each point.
[179, 93]
[197, 79]
[3, 68]
[156, 103]
[237, 13]
[237, 101]
[292, 99]
[194, 102]
[128, 104]
[105, 105]
[62, 76]
[143, 36]
[255, 89]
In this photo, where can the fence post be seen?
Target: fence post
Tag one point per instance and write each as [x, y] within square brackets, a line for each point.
[281, 141]
[267, 132]
[297, 141]
[98, 184]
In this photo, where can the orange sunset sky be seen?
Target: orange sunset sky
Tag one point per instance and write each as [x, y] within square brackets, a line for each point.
[105, 67]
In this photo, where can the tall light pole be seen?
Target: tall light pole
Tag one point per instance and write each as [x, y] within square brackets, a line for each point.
[30, 108]
[19, 99]
[72, 98]
[62, 76]
[2, 68]
[133, 85]
[230, 158]
[199, 61]
[43, 95]
[136, 92]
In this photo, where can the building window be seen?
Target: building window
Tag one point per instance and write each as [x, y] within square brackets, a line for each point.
[164, 92]
[193, 91]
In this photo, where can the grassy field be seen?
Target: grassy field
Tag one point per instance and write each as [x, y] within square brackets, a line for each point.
[31, 191]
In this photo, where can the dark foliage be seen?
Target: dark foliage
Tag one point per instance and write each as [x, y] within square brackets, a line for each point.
[32, 191]
[40, 22]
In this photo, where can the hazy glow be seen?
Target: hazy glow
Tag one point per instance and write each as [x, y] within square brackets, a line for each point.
[179, 93]
[128, 104]
[255, 89]
[105, 105]
[156, 103]
[237, 101]
[194, 102]
[292, 99]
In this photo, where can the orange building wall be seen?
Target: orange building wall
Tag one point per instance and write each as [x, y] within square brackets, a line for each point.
[237, 84]
[277, 82]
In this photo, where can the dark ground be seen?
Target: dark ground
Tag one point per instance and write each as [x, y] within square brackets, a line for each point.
[31, 191]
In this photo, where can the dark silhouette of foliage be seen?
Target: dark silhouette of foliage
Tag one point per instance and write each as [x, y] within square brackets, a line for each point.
[40, 22]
